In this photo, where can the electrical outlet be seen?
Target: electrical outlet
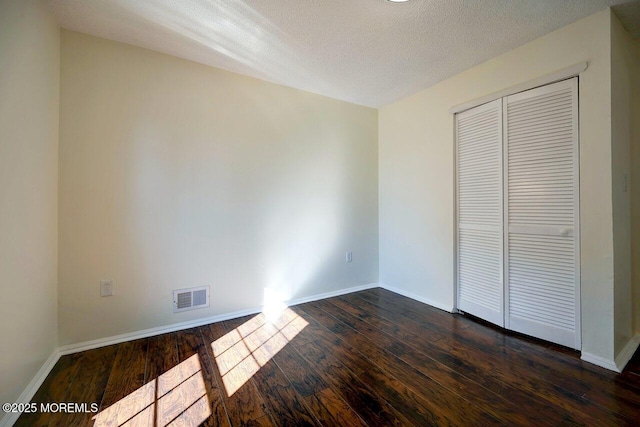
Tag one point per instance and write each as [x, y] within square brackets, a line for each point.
[106, 288]
[349, 256]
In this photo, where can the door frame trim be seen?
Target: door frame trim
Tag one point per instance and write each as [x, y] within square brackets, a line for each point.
[556, 76]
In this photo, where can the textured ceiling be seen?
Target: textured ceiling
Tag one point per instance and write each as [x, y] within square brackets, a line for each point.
[370, 52]
[629, 14]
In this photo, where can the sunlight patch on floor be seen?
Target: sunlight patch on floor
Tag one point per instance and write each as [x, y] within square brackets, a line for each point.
[242, 352]
[178, 394]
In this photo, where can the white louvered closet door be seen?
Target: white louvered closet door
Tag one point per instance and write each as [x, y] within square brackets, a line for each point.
[541, 213]
[480, 211]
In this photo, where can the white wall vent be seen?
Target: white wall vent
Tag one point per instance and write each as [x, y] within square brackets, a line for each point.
[190, 299]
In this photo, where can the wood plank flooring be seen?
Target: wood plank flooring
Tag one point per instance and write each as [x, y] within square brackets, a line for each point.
[372, 358]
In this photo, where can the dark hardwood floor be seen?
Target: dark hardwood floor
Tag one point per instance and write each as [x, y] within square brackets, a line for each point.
[372, 358]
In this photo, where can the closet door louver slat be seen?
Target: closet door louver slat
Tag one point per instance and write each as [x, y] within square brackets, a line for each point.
[480, 211]
[541, 213]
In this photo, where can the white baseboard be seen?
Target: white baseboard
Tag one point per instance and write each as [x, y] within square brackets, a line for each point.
[145, 333]
[599, 361]
[419, 298]
[10, 418]
[627, 352]
[333, 293]
[618, 364]
[130, 336]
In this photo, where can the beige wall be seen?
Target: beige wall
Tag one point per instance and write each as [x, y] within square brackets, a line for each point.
[174, 174]
[635, 174]
[624, 70]
[416, 169]
[635, 185]
[29, 88]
